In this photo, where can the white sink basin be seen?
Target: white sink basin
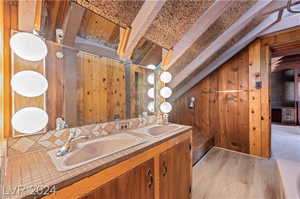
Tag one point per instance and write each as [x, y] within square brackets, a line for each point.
[83, 153]
[158, 130]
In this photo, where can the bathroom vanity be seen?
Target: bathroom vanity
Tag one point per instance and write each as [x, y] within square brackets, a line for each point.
[159, 167]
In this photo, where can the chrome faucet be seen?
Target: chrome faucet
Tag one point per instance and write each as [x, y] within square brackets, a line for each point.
[61, 124]
[74, 135]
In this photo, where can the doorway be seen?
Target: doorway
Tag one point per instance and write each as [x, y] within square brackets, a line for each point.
[285, 79]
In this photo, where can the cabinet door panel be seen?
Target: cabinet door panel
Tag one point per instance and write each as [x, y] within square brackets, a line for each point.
[175, 172]
[135, 184]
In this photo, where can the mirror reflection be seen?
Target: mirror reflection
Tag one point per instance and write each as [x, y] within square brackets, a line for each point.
[80, 88]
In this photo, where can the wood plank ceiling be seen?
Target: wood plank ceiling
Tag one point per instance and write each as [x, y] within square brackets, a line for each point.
[201, 34]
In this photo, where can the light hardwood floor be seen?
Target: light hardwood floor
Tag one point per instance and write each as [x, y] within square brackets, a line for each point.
[225, 174]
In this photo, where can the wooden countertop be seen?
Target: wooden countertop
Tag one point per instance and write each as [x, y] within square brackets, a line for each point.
[35, 169]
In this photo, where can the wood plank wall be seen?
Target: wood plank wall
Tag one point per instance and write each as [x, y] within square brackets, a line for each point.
[222, 115]
[238, 121]
[101, 89]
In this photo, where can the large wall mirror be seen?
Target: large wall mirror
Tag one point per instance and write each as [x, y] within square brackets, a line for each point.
[78, 86]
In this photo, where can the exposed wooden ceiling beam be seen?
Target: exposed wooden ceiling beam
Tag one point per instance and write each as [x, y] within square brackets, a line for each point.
[166, 57]
[140, 25]
[289, 58]
[233, 30]
[285, 23]
[199, 28]
[293, 49]
[56, 13]
[95, 48]
[124, 35]
[72, 23]
[38, 20]
[226, 55]
[29, 15]
[286, 66]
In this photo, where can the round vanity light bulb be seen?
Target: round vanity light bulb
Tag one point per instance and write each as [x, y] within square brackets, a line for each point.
[165, 92]
[28, 46]
[165, 77]
[151, 78]
[29, 120]
[165, 107]
[151, 67]
[151, 107]
[150, 93]
[29, 83]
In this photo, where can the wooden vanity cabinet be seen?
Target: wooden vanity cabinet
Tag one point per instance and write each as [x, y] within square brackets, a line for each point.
[175, 172]
[134, 184]
[161, 172]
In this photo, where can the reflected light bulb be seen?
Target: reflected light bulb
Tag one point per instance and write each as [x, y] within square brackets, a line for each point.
[150, 93]
[151, 107]
[151, 78]
[165, 107]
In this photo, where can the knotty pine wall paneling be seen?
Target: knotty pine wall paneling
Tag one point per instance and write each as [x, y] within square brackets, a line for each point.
[254, 98]
[222, 115]
[101, 89]
[55, 77]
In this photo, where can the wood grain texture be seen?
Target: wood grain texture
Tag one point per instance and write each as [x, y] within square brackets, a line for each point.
[72, 23]
[253, 112]
[94, 26]
[220, 115]
[2, 58]
[227, 174]
[255, 98]
[240, 121]
[173, 168]
[283, 38]
[266, 101]
[134, 184]
[56, 13]
[55, 77]
[101, 89]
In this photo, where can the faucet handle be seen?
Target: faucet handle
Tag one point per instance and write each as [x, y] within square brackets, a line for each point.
[74, 133]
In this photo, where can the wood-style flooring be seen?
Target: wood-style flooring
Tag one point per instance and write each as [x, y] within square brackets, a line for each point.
[223, 174]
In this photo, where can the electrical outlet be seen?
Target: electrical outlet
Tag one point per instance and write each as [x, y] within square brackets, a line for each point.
[258, 85]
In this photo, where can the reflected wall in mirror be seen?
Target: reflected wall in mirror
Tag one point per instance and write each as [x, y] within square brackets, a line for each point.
[84, 88]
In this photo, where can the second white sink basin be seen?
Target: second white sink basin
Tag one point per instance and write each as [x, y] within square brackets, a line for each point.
[83, 153]
[158, 130]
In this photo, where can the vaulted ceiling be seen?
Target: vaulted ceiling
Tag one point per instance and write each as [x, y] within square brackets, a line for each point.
[190, 38]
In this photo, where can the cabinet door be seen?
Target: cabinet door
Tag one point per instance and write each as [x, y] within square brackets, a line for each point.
[135, 184]
[176, 172]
